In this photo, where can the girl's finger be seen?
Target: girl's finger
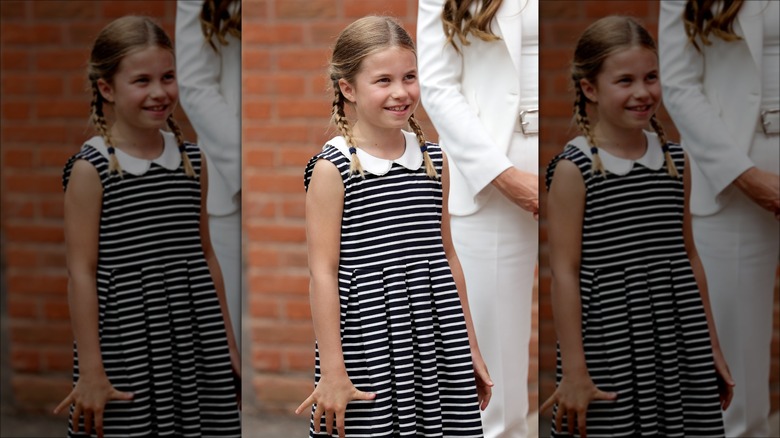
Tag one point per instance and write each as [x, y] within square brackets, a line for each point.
[559, 418]
[317, 418]
[581, 424]
[340, 424]
[360, 395]
[547, 403]
[571, 418]
[329, 422]
[88, 422]
[64, 403]
[601, 395]
[486, 400]
[306, 403]
[75, 418]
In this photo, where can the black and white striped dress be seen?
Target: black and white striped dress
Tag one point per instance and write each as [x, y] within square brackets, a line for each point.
[402, 327]
[162, 335]
[644, 328]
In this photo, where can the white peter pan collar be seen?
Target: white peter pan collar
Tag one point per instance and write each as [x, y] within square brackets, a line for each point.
[169, 159]
[652, 159]
[411, 159]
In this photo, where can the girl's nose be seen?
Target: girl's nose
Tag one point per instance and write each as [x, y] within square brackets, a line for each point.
[399, 91]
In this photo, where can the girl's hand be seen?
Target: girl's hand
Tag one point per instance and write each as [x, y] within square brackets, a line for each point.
[725, 382]
[573, 397]
[484, 382]
[331, 396]
[235, 363]
[90, 396]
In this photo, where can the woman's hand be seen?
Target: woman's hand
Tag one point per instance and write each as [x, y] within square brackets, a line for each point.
[483, 380]
[520, 187]
[573, 397]
[90, 396]
[725, 382]
[331, 397]
[761, 187]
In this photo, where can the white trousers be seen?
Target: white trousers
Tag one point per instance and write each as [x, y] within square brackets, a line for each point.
[739, 248]
[498, 248]
[225, 234]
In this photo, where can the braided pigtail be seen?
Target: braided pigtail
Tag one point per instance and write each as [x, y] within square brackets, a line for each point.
[185, 159]
[670, 167]
[340, 119]
[430, 170]
[583, 123]
[99, 120]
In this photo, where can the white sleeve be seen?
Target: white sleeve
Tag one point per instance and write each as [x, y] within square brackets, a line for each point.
[466, 140]
[704, 135]
[199, 69]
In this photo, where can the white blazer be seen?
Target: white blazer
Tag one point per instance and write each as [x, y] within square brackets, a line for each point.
[473, 99]
[713, 98]
[210, 93]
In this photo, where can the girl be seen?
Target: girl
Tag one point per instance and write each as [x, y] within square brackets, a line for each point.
[152, 352]
[638, 351]
[388, 300]
[479, 82]
[208, 54]
[720, 62]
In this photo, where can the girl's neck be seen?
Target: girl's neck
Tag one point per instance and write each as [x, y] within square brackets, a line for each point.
[147, 144]
[381, 143]
[627, 144]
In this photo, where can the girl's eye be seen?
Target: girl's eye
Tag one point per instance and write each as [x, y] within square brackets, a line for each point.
[169, 77]
[411, 77]
[383, 80]
[141, 80]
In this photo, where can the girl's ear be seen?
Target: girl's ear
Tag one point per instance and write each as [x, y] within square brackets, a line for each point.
[347, 90]
[589, 90]
[106, 90]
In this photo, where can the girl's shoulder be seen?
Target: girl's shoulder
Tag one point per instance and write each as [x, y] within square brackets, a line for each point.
[90, 154]
[573, 151]
[332, 152]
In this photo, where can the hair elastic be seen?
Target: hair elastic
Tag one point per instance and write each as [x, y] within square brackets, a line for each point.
[424, 148]
[111, 150]
[352, 150]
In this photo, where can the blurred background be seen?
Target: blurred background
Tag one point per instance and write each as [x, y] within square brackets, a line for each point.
[44, 118]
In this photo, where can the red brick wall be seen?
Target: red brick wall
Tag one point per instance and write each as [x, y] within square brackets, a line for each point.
[44, 119]
[286, 46]
[561, 24]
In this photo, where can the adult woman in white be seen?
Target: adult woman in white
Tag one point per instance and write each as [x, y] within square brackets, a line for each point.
[208, 53]
[478, 64]
[719, 70]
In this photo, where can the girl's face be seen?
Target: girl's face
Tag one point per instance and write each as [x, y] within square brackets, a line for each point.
[144, 91]
[385, 91]
[627, 91]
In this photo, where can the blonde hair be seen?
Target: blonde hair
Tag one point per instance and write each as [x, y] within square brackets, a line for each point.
[600, 40]
[359, 40]
[217, 20]
[117, 40]
[457, 20]
[700, 20]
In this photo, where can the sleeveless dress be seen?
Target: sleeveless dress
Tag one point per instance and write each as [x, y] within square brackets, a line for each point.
[403, 332]
[644, 330]
[162, 335]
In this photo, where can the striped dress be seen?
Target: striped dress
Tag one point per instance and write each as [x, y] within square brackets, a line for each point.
[403, 332]
[644, 329]
[162, 335]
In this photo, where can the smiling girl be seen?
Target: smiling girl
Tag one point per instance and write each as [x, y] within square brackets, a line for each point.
[396, 353]
[152, 356]
[638, 352]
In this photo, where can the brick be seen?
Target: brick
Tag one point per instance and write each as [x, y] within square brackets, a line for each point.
[298, 309]
[276, 389]
[69, 10]
[276, 233]
[23, 307]
[253, 10]
[259, 157]
[56, 310]
[256, 110]
[295, 258]
[300, 359]
[13, 10]
[150, 8]
[263, 307]
[361, 8]
[37, 284]
[60, 59]
[33, 183]
[294, 208]
[255, 59]
[61, 108]
[326, 32]
[304, 59]
[295, 157]
[319, 9]
[34, 233]
[14, 60]
[49, 334]
[267, 183]
[263, 257]
[52, 85]
[596, 10]
[279, 284]
[268, 84]
[14, 84]
[15, 110]
[37, 391]
[267, 360]
[58, 359]
[17, 158]
[275, 34]
[259, 208]
[276, 133]
[26, 34]
[558, 10]
[283, 333]
[25, 359]
[303, 108]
